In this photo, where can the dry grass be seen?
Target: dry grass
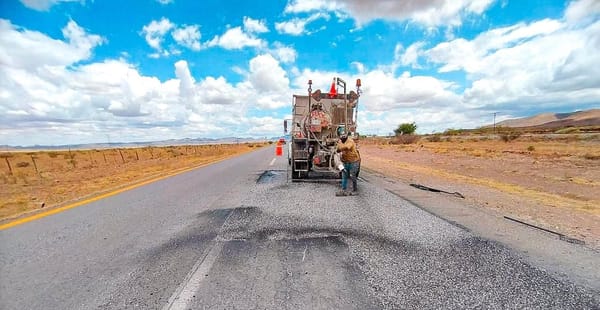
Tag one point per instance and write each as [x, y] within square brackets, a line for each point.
[573, 164]
[30, 181]
[539, 146]
[553, 180]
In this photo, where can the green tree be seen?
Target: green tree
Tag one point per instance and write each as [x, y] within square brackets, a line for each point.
[406, 129]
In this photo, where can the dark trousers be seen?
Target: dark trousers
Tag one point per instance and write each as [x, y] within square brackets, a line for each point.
[351, 171]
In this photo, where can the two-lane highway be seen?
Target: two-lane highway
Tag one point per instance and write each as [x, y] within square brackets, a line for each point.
[215, 238]
[131, 249]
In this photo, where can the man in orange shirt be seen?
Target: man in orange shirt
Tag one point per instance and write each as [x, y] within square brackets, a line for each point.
[351, 160]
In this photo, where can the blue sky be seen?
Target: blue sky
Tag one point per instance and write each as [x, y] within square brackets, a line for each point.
[92, 71]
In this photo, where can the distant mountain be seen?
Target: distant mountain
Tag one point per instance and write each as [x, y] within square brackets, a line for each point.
[186, 141]
[555, 120]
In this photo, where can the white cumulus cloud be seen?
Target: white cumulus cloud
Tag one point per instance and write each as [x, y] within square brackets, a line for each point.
[582, 10]
[188, 36]
[285, 54]
[266, 75]
[236, 38]
[32, 49]
[44, 5]
[255, 26]
[297, 26]
[429, 13]
[526, 63]
[55, 100]
[155, 31]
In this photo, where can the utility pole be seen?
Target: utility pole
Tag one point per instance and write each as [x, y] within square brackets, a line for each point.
[495, 122]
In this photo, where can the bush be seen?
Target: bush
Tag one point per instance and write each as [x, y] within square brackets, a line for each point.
[405, 139]
[406, 129]
[453, 132]
[531, 148]
[434, 138]
[52, 154]
[510, 136]
[568, 130]
[23, 164]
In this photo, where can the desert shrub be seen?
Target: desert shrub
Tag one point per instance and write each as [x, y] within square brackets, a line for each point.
[406, 129]
[510, 136]
[405, 139]
[531, 148]
[23, 164]
[453, 132]
[52, 154]
[434, 138]
[171, 151]
[591, 156]
[568, 130]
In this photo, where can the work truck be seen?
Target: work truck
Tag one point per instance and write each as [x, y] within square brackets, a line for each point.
[318, 120]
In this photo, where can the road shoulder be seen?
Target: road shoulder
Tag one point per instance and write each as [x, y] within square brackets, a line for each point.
[565, 261]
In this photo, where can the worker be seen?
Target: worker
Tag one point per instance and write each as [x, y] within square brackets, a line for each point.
[351, 161]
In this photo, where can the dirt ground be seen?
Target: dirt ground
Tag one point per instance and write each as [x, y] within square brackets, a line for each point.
[550, 181]
[37, 180]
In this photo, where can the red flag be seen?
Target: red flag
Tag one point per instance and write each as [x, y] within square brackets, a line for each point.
[332, 91]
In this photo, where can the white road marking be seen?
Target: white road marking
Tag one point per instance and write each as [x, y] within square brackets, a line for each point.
[184, 295]
[273, 161]
[304, 253]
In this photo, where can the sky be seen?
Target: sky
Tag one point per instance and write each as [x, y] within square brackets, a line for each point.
[96, 71]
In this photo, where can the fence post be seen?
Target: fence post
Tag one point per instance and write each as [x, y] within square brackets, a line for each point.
[35, 166]
[9, 167]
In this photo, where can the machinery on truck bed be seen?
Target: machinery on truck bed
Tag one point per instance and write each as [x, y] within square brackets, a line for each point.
[317, 121]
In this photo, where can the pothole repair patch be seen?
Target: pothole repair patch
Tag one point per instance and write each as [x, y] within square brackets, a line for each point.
[269, 176]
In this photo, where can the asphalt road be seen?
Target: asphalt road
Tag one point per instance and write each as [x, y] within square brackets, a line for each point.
[229, 236]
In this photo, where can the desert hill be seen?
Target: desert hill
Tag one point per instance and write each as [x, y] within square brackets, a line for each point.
[556, 120]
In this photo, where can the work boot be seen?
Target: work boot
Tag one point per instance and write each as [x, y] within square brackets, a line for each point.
[341, 193]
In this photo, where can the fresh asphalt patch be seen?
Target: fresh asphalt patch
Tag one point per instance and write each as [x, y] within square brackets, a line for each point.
[271, 176]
